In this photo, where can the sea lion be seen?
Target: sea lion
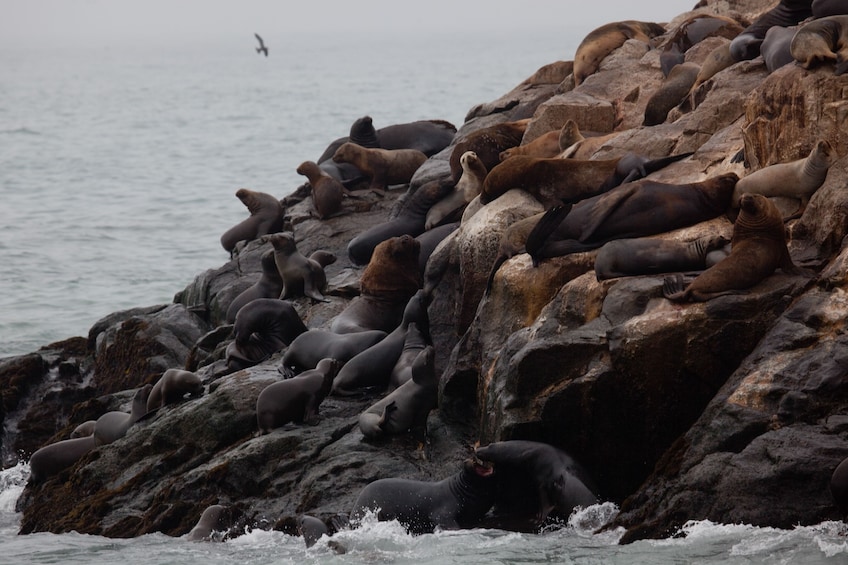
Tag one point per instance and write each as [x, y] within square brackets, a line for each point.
[269, 285]
[549, 144]
[215, 518]
[536, 480]
[172, 386]
[487, 143]
[113, 425]
[84, 429]
[456, 502]
[634, 209]
[415, 341]
[266, 216]
[310, 347]
[839, 487]
[430, 239]
[410, 220]
[605, 39]
[718, 60]
[467, 187]
[301, 275]
[632, 166]
[776, 47]
[694, 30]
[52, 458]
[262, 327]
[373, 366]
[513, 242]
[383, 167]
[822, 40]
[311, 529]
[746, 45]
[757, 248]
[405, 408]
[646, 256]
[796, 179]
[391, 278]
[296, 399]
[671, 92]
[327, 191]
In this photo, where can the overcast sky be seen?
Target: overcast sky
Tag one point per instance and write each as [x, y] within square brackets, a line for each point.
[103, 22]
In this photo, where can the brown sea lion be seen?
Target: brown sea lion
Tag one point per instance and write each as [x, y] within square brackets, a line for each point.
[487, 143]
[113, 425]
[383, 167]
[605, 39]
[266, 216]
[302, 276]
[467, 188]
[296, 399]
[634, 209]
[269, 285]
[757, 248]
[796, 179]
[327, 192]
[671, 92]
[822, 40]
[718, 60]
[548, 144]
[646, 256]
[172, 386]
[694, 30]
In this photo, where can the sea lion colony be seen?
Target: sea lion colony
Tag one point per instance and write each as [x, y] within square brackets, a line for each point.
[383, 328]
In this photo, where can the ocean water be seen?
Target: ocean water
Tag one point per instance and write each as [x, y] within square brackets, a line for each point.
[118, 170]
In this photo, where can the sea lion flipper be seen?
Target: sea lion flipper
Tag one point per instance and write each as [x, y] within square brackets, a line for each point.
[604, 207]
[673, 287]
[543, 229]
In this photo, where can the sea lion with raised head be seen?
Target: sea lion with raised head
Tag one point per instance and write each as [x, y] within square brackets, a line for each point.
[648, 256]
[757, 248]
[302, 276]
[262, 327]
[215, 518]
[266, 216]
[269, 285]
[327, 191]
[296, 399]
[605, 39]
[822, 40]
[467, 188]
[487, 143]
[113, 425]
[383, 167]
[172, 386]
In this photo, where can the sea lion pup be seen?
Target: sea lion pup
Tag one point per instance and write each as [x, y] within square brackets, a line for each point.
[605, 39]
[114, 425]
[822, 40]
[487, 143]
[262, 327]
[839, 487]
[383, 167]
[406, 408]
[718, 60]
[671, 92]
[391, 278]
[410, 220]
[757, 248]
[459, 501]
[373, 366]
[796, 179]
[467, 187]
[214, 519]
[172, 386]
[269, 285]
[309, 348]
[647, 256]
[266, 216]
[301, 275]
[54, 457]
[327, 192]
[84, 429]
[692, 31]
[296, 399]
[536, 480]
[548, 144]
[635, 209]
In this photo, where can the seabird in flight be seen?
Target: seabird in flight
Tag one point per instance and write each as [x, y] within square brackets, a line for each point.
[261, 47]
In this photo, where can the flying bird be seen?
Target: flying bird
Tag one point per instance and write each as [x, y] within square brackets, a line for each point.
[261, 47]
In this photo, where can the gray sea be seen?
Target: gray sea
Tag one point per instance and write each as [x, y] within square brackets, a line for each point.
[118, 169]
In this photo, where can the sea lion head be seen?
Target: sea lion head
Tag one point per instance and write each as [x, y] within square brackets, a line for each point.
[362, 132]
[393, 269]
[345, 153]
[758, 216]
[282, 242]
[824, 153]
[309, 169]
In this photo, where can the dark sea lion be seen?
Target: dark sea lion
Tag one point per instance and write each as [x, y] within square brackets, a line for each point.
[839, 487]
[671, 92]
[796, 179]
[414, 342]
[634, 209]
[269, 285]
[757, 248]
[113, 425]
[513, 242]
[430, 239]
[410, 220]
[327, 191]
[215, 518]
[373, 366]
[823, 40]
[262, 327]
[362, 133]
[302, 276]
[457, 502]
[467, 188]
[775, 48]
[296, 399]
[536, 480]
[311, 529]
[266, 216]
[605, 39]
[52, 458]
[84, 429]
[694, 30]
[383, 167]
[309, 348]
[746, 45]
[172, 386]
[647, 256]
[632, 166]
[391, 278]
[405, 408]
[487, 143]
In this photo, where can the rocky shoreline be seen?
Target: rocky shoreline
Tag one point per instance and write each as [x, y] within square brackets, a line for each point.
[731, 410]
